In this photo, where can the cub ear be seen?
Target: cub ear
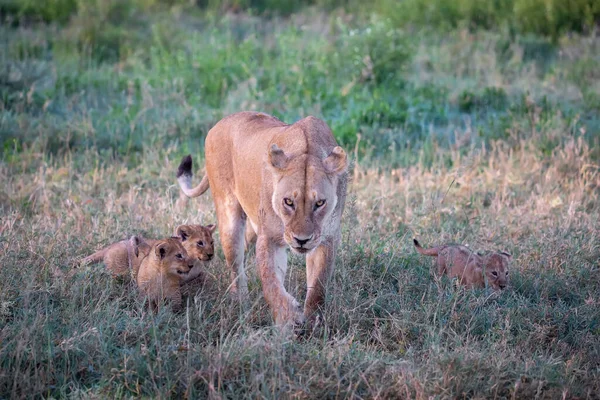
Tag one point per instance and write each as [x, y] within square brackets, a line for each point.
[161, 249]
[182, 232]
[139, 246]
[277, 157]
[134, 242]
[211, 228]
[505, 254]
[336, 162]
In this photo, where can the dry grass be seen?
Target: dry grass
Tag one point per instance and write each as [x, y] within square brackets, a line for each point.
[479, 139]
[391, 329]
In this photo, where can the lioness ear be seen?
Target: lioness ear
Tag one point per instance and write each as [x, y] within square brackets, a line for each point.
[211, 228]
[336, 162]
[181, 232]
[161, 250]
[277, 157]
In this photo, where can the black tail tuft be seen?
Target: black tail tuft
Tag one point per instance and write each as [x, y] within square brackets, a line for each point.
[416, 242]
[185, 168]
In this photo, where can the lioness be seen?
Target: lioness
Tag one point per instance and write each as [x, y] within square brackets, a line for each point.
[472, 270]
[124, 257]
[289, 182]
[162, 271]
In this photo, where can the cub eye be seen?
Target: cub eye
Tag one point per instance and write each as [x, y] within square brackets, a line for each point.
[200, 243]
[506, 273]
[288, 202]
[179, 256]
[319, 203]
[494, 273]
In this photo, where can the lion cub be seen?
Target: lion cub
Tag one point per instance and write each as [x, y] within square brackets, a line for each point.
[162, 272]
[124, 258]
[198, 241]
[472, 270]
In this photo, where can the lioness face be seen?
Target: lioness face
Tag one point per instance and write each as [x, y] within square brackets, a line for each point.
[304, 195]
[496, 270]
[197, 240]
[172, 257]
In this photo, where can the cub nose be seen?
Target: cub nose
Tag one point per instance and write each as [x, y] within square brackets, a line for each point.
[191, 266]
[302, 242]
[210, 256]
[502, 287]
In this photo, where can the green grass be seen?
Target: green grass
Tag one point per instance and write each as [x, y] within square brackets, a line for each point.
[477, 137]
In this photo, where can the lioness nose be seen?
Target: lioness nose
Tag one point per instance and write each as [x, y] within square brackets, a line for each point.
[302, 242]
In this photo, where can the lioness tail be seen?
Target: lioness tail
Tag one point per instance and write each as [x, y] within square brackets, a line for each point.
[184, 178]
[428, 252]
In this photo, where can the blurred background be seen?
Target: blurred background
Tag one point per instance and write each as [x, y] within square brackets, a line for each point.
[394, 79]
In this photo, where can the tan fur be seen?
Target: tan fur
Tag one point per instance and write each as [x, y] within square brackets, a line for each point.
[472, 270]
[122, 258]
[162, 271]
[198, 242]
[254, 162]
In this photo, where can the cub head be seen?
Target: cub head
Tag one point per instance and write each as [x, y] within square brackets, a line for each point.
[496, 269]
[172, 258]
[197, 240]
[305, 194]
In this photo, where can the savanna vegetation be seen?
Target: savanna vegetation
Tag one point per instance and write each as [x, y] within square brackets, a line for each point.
[476, 122]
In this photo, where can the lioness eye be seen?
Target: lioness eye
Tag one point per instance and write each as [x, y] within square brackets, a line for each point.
[494, 273]
[288, 202]
[201, 244]
[319, 203]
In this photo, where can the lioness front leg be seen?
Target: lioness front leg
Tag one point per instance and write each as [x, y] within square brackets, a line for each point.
[272, 267]
[319, 265]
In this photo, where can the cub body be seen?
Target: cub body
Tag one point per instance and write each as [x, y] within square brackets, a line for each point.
[471, 270]
[124, 258]
[162, 271]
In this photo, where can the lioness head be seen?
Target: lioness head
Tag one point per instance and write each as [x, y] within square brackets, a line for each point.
[304, 194]
[197, 240]
[496, 269]
[172, 257]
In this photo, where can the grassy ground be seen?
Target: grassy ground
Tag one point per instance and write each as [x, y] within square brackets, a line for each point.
[475, 137]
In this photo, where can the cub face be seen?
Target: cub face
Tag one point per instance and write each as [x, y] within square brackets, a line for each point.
[172, 258]
[496, 270]
[197, 240]
[305, 194]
